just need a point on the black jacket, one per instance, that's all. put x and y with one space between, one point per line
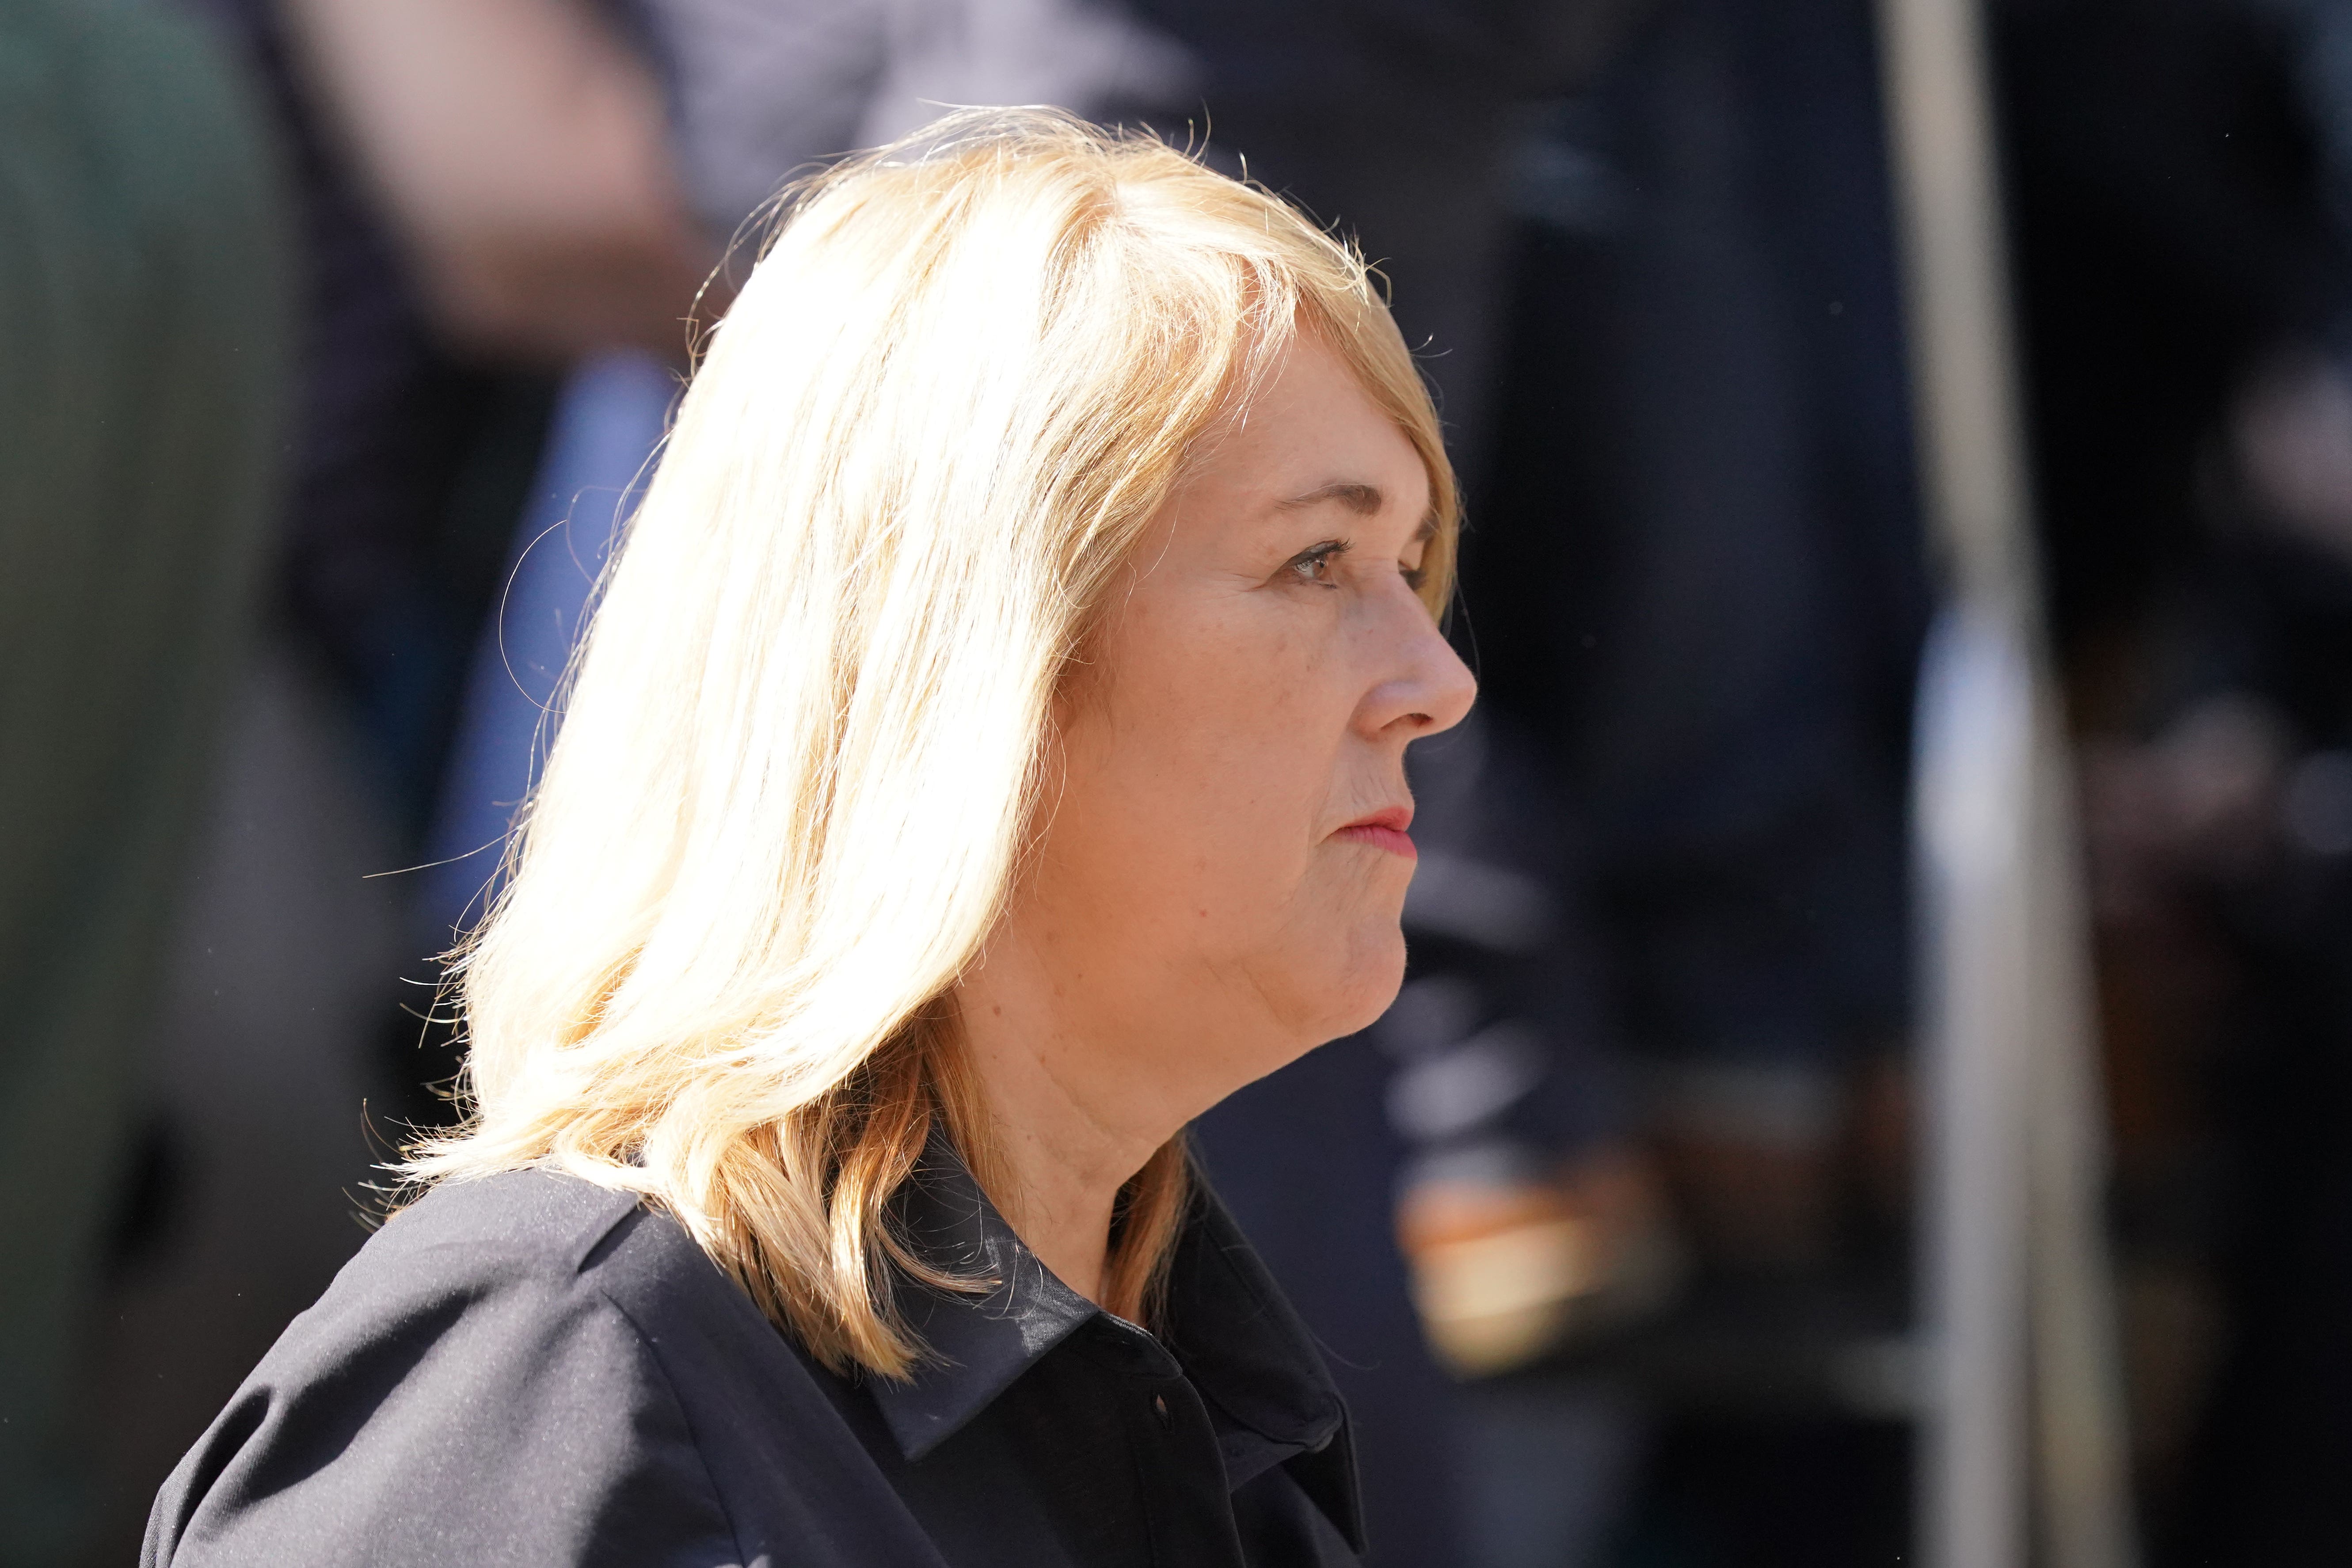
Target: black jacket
532 1370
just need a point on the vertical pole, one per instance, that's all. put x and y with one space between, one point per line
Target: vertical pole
1975 704
2024 1419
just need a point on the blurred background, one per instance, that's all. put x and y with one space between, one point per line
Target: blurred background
335 336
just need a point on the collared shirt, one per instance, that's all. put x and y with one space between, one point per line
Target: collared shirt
530 1369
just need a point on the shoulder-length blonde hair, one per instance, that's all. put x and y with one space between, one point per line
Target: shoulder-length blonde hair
803 749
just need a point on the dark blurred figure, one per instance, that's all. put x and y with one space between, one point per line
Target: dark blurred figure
146 292
1698 577
1695 580
2179 178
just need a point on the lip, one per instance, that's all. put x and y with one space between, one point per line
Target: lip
1383 830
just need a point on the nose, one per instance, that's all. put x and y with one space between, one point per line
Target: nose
1423 687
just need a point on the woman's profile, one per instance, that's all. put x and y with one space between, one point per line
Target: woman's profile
987 755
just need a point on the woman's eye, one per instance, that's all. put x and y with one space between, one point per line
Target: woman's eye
1315 566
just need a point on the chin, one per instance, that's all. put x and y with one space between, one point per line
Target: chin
1373 974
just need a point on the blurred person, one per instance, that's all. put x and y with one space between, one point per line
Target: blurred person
1706 442
145 285
517 155
1696 586
866 993
480 193
486 189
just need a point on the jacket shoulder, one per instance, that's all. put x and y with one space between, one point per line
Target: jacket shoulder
465 1390
523 1222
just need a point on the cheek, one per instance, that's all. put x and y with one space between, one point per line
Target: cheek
1200 768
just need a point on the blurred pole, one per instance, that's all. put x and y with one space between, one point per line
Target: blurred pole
2024 1412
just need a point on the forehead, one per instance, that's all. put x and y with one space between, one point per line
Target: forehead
1312 435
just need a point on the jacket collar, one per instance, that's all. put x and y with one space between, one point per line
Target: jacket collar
1229 1330
979 1343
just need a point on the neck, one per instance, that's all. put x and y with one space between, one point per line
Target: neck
1073 1110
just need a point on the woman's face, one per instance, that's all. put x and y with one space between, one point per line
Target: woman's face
1226 850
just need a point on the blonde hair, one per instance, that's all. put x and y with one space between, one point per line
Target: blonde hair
801 752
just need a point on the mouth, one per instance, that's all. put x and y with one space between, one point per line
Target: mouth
1382 830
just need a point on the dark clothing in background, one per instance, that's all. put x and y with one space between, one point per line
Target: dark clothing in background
145 339
530 1369
1695 576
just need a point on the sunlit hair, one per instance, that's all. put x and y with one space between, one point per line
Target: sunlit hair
801 752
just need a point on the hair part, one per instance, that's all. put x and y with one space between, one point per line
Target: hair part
806 733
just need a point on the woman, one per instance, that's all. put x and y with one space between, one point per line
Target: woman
988 754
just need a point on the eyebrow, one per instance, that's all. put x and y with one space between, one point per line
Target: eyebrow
1364 501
